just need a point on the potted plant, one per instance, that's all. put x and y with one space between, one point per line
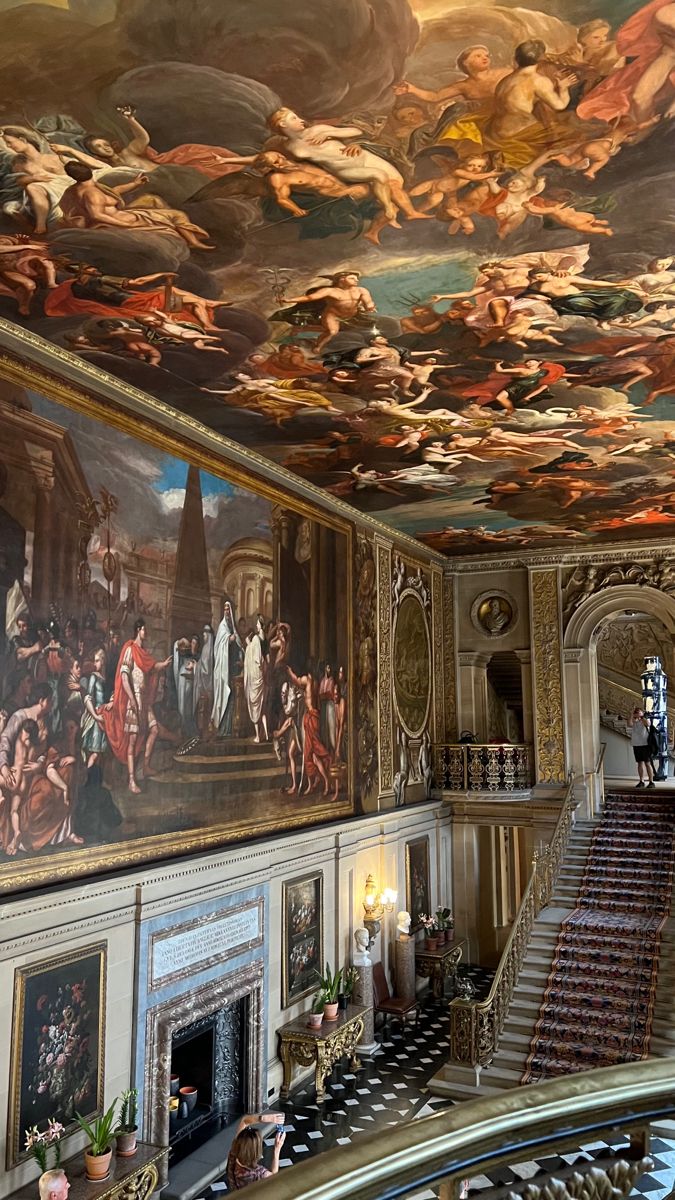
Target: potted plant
350 977
316 1013
444 925
429 924
330 988
101 1135
128 1124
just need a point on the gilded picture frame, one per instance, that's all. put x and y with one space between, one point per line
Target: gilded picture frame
55 1070
417 880
153 423
302 937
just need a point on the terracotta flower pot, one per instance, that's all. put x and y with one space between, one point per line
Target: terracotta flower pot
431 943
330 1012
97 1166
441 936
126 1143
449 935
315 1020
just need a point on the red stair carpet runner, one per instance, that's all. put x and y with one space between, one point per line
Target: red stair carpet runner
599 1001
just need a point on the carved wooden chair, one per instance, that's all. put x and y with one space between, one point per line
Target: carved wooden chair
388 1005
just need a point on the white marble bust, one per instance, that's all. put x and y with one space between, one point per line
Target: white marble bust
362 957
403 923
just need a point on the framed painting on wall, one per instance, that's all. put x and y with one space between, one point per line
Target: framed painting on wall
302 937
225 602
58 1044
417 880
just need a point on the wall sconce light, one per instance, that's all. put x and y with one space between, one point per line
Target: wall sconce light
375 904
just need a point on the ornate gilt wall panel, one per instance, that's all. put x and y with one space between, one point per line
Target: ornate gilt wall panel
449 673
384 646
549 729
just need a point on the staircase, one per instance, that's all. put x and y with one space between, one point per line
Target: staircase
508 1065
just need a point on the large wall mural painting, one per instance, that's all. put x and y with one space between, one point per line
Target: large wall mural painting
418 252
175 672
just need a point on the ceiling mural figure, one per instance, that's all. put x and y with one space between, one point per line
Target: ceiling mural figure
419 253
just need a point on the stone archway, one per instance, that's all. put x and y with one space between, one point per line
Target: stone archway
582 718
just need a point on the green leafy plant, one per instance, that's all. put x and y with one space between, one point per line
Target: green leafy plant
102 1133
330 984
444 919
349 978
318 1003
128 1122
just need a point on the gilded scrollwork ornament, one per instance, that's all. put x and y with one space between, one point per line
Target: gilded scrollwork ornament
547 677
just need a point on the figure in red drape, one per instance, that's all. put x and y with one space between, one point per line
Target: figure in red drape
648 40
316 758
130 722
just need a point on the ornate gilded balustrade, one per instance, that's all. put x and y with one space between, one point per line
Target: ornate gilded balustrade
497 767
513 1127
476 1026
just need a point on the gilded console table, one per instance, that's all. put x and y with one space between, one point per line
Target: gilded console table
129 1179
324 1046
439 965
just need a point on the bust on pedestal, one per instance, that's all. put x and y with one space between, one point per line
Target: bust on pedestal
363 990
405 958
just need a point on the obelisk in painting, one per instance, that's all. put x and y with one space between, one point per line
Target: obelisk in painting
191 602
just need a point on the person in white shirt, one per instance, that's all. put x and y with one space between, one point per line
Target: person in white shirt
639 737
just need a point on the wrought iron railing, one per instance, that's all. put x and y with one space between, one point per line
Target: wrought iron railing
494 767
476 1025
513 1127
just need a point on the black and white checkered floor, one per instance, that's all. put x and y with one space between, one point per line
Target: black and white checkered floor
390 1088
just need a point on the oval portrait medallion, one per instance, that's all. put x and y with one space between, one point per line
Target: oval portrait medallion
412 664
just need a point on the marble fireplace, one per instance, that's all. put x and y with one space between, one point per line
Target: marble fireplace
213 1039
201 1003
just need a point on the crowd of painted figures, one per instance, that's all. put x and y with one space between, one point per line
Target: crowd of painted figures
424 404
82 712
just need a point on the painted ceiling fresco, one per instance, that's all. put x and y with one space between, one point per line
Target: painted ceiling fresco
419 253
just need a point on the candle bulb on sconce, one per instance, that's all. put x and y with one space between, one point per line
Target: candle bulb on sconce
375 904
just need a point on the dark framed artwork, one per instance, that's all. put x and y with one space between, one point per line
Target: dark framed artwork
58 1046
200 583
417 880
302 937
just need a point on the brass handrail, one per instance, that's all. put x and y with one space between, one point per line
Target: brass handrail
479 1134
483 766
476 1025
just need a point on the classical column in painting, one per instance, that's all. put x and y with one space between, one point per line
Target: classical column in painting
549 731
191 601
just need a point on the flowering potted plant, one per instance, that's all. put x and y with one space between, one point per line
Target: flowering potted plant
128 1124
330 988
101 1135
40 1142
431 931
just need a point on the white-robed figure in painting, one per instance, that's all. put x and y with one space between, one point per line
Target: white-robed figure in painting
202 694
228 653
256 662
185 658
